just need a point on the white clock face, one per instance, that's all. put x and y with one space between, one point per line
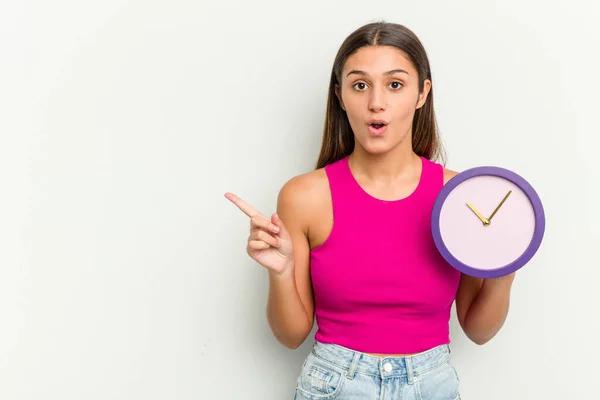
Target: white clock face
509 232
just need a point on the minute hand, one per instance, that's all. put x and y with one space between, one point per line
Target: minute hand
499 205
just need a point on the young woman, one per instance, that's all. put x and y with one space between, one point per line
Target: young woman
351 246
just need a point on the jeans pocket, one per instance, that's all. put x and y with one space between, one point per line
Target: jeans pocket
320 380
440 383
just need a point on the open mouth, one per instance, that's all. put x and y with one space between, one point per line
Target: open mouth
377 127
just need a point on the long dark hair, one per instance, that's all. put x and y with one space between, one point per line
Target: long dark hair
338 138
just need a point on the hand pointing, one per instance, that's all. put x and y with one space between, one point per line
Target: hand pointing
269 243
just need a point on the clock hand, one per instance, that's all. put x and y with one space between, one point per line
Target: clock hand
481 217
499 205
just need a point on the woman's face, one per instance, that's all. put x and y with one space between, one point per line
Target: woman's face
379 91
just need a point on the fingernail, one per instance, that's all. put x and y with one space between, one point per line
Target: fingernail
276 229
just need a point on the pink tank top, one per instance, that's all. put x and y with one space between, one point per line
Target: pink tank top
380 284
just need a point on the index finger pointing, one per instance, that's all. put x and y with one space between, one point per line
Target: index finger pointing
242 205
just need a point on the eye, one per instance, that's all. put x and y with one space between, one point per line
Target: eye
396 85
359 86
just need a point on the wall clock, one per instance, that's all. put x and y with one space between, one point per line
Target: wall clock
487 222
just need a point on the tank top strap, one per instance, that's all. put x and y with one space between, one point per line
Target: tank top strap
346 197
432 178
339 182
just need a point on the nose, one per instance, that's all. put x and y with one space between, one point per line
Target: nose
377 100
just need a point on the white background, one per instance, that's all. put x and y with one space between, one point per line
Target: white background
123 272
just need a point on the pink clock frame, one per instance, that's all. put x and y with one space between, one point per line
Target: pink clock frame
534 244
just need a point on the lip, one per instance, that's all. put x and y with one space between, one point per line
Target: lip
377 131
377 121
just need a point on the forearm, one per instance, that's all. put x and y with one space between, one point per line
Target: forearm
489 309
286 314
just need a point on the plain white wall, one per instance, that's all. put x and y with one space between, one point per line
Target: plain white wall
123 272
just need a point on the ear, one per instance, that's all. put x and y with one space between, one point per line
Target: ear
339 96
423 95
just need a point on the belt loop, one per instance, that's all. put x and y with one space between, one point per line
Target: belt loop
353 365
409 370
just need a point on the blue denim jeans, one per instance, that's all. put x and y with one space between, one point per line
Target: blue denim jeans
334 372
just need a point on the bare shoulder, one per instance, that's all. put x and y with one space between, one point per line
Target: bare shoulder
304 193
449 174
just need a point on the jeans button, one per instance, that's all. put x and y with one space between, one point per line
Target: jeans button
387 367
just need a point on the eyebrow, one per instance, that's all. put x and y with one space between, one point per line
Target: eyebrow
391 72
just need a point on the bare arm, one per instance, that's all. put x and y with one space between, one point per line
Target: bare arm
482 306
290 309
280 245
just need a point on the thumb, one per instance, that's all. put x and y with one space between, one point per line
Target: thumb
278 222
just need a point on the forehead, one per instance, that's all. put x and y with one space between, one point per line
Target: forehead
376 60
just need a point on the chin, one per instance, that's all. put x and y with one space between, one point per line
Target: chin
381 145
376 148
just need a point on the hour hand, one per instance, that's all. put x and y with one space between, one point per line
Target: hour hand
483 219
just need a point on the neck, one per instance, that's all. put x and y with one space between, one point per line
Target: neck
386 166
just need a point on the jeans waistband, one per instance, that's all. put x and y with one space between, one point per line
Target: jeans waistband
385 366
